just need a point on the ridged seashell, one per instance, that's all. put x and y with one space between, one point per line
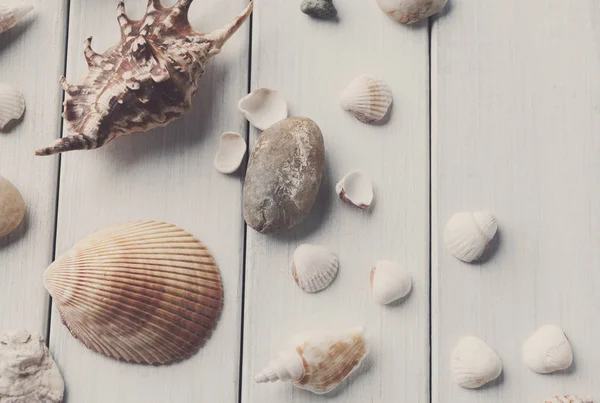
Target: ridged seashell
11 15
231 153
12 207
367 98
468 235
474 363
263 108
410 11
389 282
319 8
356 188
318 361
148 80
314 268
143 291
568 399
12 104
548 350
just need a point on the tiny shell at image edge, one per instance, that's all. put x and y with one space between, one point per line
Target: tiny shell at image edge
568 399
12 104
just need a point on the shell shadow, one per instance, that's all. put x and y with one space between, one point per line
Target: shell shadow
16 235
11 36
491 250
10 126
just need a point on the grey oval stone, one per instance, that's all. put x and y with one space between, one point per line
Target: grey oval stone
284 175
319 8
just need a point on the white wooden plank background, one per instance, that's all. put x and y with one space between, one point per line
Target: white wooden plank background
515 130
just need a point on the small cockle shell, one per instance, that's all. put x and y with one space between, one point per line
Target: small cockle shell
389 282
356 188
367 98
146 81
548 350
12 104
231 153
318 361
568 399
468 235
474 363
11 15
410 11
319 8
314 268
145 292
263 108
12 207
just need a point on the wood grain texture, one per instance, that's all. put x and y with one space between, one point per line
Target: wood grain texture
515 131
166 175
26 252
311 62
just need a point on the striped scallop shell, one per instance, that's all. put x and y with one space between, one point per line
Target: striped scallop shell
568 399
468 235
314 268
12 104
146 292
367 98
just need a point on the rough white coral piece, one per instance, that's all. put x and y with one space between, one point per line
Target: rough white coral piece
468 235
12 104
389 282
263 108
474 363
231 153
356 188
367 98
314 268
548 350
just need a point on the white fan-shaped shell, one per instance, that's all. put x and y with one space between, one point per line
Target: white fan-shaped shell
568 399
12 104
389 282
548 350
263 108
367 98
314 268
12 207
474 363
231 153
468 235
356 188
144 291
11 15
410 11
318 361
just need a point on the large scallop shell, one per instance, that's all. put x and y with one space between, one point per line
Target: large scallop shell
314 268
11 15
367 98
568 399
143 291
12 104
474 363
468 235
410 11
548 350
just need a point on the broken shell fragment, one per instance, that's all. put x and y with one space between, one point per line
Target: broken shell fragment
474 363
314 268
389 282
318 361
548 350
12 104
145 292
263 108
568 399
146 81
27 371
11 16
468 235
231 153
367 98
410 11
319 8
12 207
356 188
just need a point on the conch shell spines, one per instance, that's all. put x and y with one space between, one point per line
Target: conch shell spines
146 81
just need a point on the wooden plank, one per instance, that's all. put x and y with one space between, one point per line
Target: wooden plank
31 60
311 62
515 131
165 175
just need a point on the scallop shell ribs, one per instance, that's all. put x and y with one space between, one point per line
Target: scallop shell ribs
146 81
144 292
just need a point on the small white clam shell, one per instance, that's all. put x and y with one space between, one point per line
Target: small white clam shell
231 153
468 235
10 16
410 11
474 363
314 268
548 350
568 399
356 188
367 98
263 108
389 282
12 104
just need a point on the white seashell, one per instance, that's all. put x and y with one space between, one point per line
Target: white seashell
410 11
356 188
314 268
389 282
231 153
468 235
263 108
10 16
367 98
12 104
318 361
548 350
474 363
568 399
